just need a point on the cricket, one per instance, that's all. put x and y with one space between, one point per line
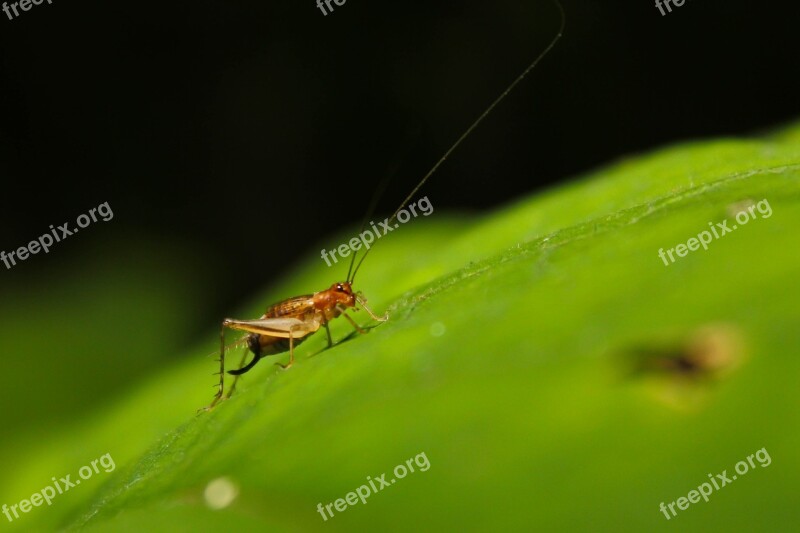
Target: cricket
289 322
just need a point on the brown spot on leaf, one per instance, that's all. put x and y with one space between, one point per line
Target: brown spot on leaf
679 368
707 352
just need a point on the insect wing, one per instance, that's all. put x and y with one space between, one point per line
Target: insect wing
275 327
297 306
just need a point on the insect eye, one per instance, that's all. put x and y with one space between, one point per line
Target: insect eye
339 287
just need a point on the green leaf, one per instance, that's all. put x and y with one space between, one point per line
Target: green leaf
555 373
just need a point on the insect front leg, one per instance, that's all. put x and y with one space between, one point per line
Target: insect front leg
328 331
363 303
349 319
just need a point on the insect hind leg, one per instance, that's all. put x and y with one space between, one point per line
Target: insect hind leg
291 351
221 386
254 346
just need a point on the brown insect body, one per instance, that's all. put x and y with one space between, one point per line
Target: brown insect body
288 323
313 309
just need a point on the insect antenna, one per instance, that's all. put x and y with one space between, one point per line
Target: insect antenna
370 211
469 130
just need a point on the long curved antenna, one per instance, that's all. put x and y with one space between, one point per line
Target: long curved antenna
474 125
370 211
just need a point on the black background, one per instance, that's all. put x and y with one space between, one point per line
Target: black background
247 132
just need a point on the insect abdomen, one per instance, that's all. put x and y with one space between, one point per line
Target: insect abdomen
271 345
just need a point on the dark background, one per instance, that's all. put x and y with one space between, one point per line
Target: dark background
245 133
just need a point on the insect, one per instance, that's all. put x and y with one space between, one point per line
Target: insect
289 322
